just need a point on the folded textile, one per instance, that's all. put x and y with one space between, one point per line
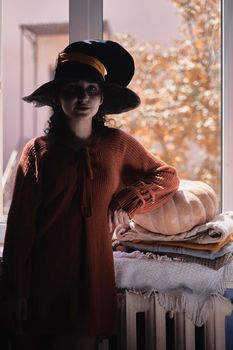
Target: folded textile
158 248
212 247
214 231
215 264
194 203
180 286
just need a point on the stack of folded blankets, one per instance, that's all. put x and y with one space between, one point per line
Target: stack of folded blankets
185 246
186 228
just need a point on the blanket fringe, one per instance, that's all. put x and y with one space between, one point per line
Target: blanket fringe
137 254
196 308
197 303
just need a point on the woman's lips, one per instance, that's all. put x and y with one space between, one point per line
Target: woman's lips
81 108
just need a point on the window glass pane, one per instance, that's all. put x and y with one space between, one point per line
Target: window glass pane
32 37
177 47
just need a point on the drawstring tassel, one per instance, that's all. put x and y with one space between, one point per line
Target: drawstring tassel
89 167
87 188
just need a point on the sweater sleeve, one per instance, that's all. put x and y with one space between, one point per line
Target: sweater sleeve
21 226
148 181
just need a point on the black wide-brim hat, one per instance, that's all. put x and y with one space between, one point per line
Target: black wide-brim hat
105 62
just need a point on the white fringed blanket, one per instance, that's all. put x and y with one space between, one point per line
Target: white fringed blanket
180 286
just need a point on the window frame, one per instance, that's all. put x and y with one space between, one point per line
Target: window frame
1 119
86 21
227 105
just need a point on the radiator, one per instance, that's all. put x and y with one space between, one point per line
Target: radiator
144 325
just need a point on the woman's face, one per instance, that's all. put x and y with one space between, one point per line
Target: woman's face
81 99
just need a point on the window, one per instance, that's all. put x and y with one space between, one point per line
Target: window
86 20
227 105
224 127
178 77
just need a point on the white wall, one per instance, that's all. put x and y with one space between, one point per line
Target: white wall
48 48
16 13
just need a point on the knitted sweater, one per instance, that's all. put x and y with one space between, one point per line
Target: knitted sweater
57 251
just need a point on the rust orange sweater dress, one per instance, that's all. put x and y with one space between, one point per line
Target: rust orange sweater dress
57 251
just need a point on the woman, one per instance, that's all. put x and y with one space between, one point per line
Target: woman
58 273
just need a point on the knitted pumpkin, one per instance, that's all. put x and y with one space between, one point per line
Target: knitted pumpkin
193 204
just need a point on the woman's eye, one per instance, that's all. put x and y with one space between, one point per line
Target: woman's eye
92 89
69 91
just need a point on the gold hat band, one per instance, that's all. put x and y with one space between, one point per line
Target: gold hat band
82 58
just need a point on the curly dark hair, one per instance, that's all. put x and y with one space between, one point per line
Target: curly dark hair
58 122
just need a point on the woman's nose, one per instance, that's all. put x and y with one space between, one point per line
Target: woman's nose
82 94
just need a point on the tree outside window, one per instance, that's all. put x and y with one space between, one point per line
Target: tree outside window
179 119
